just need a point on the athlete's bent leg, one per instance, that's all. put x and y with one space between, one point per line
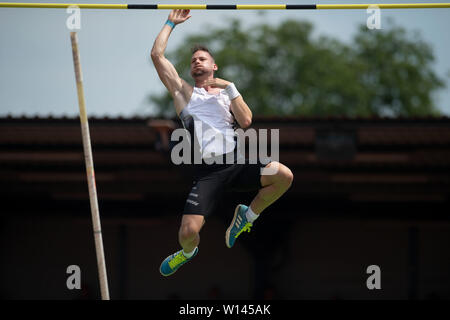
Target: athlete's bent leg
274 186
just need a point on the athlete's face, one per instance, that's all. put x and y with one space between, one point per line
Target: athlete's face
202 64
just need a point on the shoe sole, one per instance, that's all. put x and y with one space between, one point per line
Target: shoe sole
227 234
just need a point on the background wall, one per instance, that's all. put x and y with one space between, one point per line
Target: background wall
325 258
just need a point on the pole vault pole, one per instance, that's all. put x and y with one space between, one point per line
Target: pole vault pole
229 6
90 170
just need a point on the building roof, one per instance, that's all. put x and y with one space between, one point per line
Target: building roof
376 160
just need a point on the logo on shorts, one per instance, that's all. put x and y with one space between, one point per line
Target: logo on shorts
195 203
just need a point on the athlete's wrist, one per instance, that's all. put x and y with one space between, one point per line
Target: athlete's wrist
170 23
231 91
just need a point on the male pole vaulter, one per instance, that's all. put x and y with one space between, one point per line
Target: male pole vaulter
213 104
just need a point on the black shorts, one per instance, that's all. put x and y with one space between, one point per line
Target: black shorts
212 181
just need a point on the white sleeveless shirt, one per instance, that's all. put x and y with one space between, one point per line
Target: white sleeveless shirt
212 122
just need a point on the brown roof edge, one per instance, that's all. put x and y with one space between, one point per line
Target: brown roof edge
256 118
341 119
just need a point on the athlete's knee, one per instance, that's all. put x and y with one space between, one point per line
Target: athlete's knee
188 231
288 176
284 176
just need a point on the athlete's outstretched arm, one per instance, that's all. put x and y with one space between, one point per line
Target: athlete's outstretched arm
177 87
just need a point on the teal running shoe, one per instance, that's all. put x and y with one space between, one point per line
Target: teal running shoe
238 225
173 262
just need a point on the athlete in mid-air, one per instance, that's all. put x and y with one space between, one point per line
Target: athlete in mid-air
213 104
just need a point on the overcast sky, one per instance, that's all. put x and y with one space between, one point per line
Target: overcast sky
36 68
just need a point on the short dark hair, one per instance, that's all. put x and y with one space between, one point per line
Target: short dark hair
200 47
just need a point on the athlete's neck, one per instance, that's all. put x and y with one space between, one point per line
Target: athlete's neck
199 83
200 80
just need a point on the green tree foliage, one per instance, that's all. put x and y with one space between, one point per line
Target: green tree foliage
283 70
